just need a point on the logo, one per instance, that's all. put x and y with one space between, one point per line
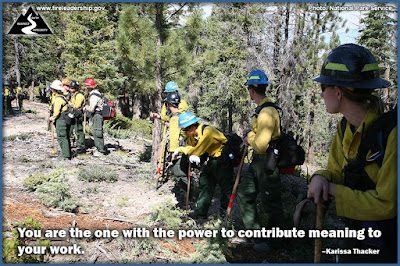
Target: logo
30 24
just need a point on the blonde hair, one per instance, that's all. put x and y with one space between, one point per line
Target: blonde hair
365 97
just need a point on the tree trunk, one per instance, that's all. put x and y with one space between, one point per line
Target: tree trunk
157 96
16 59
312 99
31 91
230 115
124 104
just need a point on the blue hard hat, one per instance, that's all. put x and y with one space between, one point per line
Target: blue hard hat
171 86
6 83
256 77
186 119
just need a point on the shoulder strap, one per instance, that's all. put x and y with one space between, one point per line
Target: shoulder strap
376 138
266 104
175 114
63 97
343 124
202 130
98 95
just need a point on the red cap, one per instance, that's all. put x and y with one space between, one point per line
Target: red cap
90 83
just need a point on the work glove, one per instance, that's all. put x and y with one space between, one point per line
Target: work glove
194 159
174 154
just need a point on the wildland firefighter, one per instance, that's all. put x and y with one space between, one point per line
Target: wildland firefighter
183 105
78 102
179 170
361 173
266 127
60 119
66 85
19 95
95 108
7 96
206 142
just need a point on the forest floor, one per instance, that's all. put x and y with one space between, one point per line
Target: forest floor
130 201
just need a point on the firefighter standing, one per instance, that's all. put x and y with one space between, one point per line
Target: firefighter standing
266 127
77 102
59 117
95 108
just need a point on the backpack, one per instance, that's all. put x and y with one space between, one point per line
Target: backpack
375 139
71 114
231 153
108 111
284 150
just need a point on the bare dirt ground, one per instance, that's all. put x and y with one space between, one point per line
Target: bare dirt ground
118 205
27 149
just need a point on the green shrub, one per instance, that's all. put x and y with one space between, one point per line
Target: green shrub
142 128
119 122
10 246
22 136
56 194
213 251
52 189
33 181
145 156
96 173
166 214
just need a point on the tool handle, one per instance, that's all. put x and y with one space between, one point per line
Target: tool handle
318 241
228 210
84 122
52 134
187 192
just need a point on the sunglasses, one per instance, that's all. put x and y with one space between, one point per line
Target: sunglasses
186 129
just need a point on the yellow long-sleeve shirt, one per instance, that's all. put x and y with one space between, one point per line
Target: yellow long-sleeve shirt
183 106
7 91
209 141
60 105
19 91
371 205
77 100
174 131
53 96
266 127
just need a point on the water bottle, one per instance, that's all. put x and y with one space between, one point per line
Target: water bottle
271 161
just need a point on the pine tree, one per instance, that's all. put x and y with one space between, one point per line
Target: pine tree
153 52
378 35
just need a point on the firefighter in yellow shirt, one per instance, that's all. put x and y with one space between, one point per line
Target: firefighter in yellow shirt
183 105
256 181
6 98
77 102
59 117
362 170
208 142
19 94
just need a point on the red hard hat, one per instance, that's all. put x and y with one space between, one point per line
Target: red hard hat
90 83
